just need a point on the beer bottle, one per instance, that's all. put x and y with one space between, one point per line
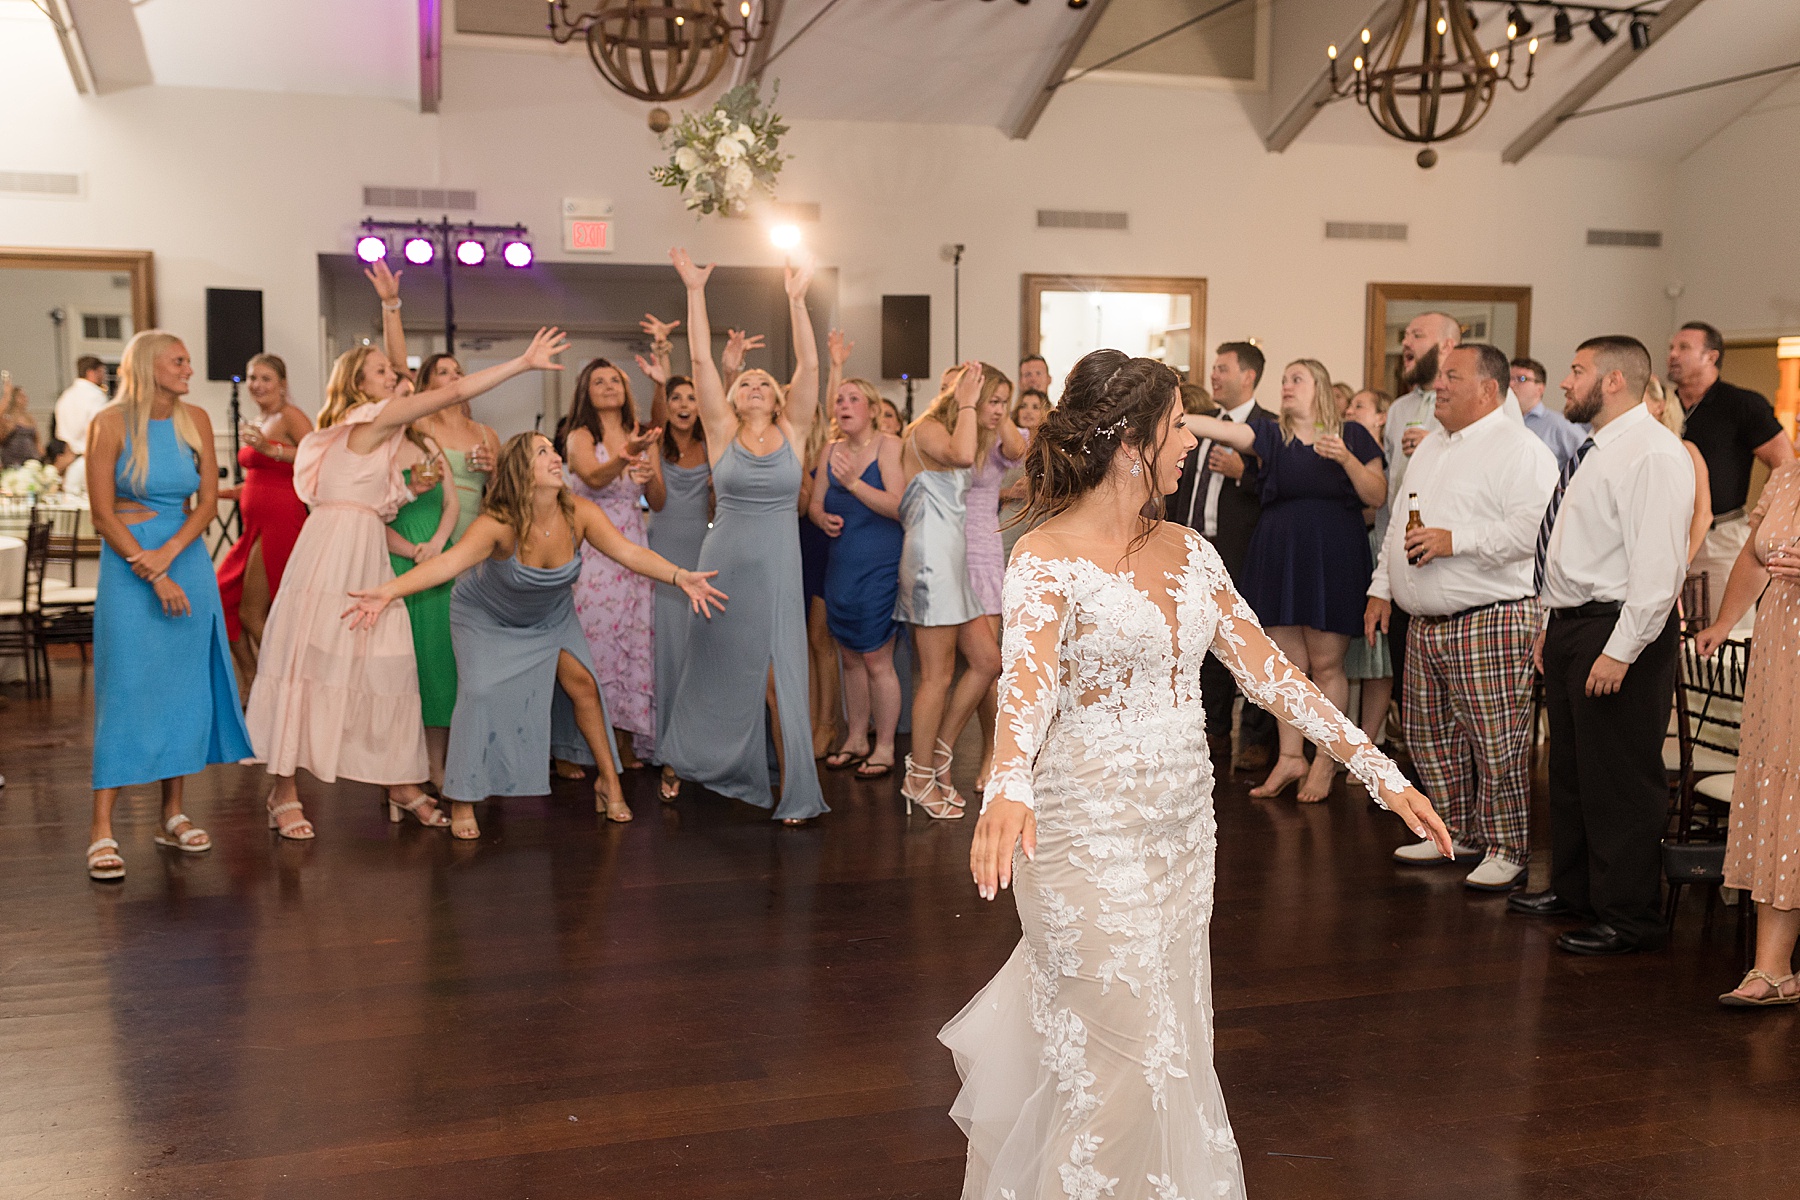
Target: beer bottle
1413 520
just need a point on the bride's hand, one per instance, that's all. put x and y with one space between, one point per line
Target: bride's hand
1006 823
1412 807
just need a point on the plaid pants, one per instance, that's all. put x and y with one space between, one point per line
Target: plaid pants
1467 718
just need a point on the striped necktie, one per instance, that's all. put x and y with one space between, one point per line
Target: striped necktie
1549 523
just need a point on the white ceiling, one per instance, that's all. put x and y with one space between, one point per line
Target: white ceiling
979 63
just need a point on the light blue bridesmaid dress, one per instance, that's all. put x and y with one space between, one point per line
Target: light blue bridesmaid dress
165 695
677 532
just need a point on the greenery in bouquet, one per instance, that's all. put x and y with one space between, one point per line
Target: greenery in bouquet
723 157
32 478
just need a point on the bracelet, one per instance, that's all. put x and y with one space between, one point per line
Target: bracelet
966 407
391 305
673 576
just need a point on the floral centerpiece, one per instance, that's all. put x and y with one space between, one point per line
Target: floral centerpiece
30 479
726 155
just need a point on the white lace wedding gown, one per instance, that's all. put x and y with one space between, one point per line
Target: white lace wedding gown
1087 1061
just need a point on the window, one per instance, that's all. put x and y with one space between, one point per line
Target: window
99 327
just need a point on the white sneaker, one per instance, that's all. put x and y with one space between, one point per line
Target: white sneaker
1426 853
1496 874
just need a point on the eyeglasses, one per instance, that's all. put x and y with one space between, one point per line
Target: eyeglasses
1524 377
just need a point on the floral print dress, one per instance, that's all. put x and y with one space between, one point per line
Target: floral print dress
617 609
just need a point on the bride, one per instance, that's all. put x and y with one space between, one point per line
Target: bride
1087 1061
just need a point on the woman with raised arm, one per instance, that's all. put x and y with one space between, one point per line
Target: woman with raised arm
469 446
752 659
607 451
165 701
859 509
270 513
526 682
981 528
823 674
1308 567
1087 1063
677 532
418 533
328 699
937 458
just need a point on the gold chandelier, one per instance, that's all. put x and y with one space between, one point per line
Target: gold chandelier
662 49
1445 89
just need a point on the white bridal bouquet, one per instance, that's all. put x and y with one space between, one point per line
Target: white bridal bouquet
724 155
30 479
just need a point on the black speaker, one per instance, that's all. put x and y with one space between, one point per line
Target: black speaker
234 331
905 337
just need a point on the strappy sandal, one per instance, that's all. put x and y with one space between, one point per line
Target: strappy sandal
942 771
417 808
1775 998
192 840
103 861
939 809
843 760
296 831
669 786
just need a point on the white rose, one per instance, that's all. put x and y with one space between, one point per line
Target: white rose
686 161
743 134
738 179
729 149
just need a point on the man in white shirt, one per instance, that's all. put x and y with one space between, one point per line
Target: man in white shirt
79 404
1611 553
1563 436
1482 484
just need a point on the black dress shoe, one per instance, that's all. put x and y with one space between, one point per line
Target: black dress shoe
1598 939
1539 904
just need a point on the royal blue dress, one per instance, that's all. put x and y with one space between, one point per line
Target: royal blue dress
1308 562
165 696
862 576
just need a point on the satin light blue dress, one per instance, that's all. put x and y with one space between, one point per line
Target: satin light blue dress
677 532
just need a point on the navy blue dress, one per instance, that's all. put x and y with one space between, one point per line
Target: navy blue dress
862 574
1308 562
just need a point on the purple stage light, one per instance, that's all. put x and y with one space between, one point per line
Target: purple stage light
516 254
470 253
419 251
370 248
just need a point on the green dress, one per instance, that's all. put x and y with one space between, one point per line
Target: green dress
470 486
429 612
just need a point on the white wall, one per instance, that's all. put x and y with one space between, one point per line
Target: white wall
245 189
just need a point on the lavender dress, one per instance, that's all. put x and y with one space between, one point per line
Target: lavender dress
981 526
617 609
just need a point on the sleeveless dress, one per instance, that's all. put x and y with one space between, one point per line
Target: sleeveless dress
717 735
1762 852
1087 1063
677 533
471 486
165 694
617 608
1308 562
333 700
1361 660
862 579
428 611
981 529
934 567
511 624
272 514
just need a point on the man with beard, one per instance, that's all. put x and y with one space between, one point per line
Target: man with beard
1034 374
1733 428
1221 499
1611 555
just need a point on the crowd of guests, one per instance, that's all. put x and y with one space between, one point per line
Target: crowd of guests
754 575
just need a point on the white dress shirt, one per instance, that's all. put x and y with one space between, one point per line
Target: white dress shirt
1621 533
1215 482
79 404
1488 484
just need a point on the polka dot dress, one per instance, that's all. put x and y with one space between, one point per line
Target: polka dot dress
1763 852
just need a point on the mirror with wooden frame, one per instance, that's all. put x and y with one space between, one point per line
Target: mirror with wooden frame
1498 315
59 305
1066 316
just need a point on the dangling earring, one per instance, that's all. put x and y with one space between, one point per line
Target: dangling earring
1137 468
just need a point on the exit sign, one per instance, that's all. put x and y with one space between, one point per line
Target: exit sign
587 226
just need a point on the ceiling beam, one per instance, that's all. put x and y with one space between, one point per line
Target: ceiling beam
73 54
752 66
1020 127
1300 113
1590 85
431 55
112 46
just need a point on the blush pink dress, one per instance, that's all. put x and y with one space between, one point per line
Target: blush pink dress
326 698
617 608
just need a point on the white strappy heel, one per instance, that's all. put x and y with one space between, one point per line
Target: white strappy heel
193 839
299 831
938 809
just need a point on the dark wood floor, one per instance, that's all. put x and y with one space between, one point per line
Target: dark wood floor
705 1005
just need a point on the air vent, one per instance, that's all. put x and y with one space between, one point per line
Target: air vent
1643 239
1364 231
449 199
39 183
1062 218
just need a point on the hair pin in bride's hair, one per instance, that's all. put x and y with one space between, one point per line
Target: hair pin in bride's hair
1107 432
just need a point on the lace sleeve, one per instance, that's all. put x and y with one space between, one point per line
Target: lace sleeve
1035 601
1266 677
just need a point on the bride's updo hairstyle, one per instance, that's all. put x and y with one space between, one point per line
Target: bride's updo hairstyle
1109 400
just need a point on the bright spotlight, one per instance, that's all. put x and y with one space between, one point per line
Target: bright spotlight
785 237
470 253
370 248
418 251
516 253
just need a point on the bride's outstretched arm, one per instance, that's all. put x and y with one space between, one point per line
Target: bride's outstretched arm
1269 679
1036 604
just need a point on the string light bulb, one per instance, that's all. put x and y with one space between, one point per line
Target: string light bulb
1331 52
